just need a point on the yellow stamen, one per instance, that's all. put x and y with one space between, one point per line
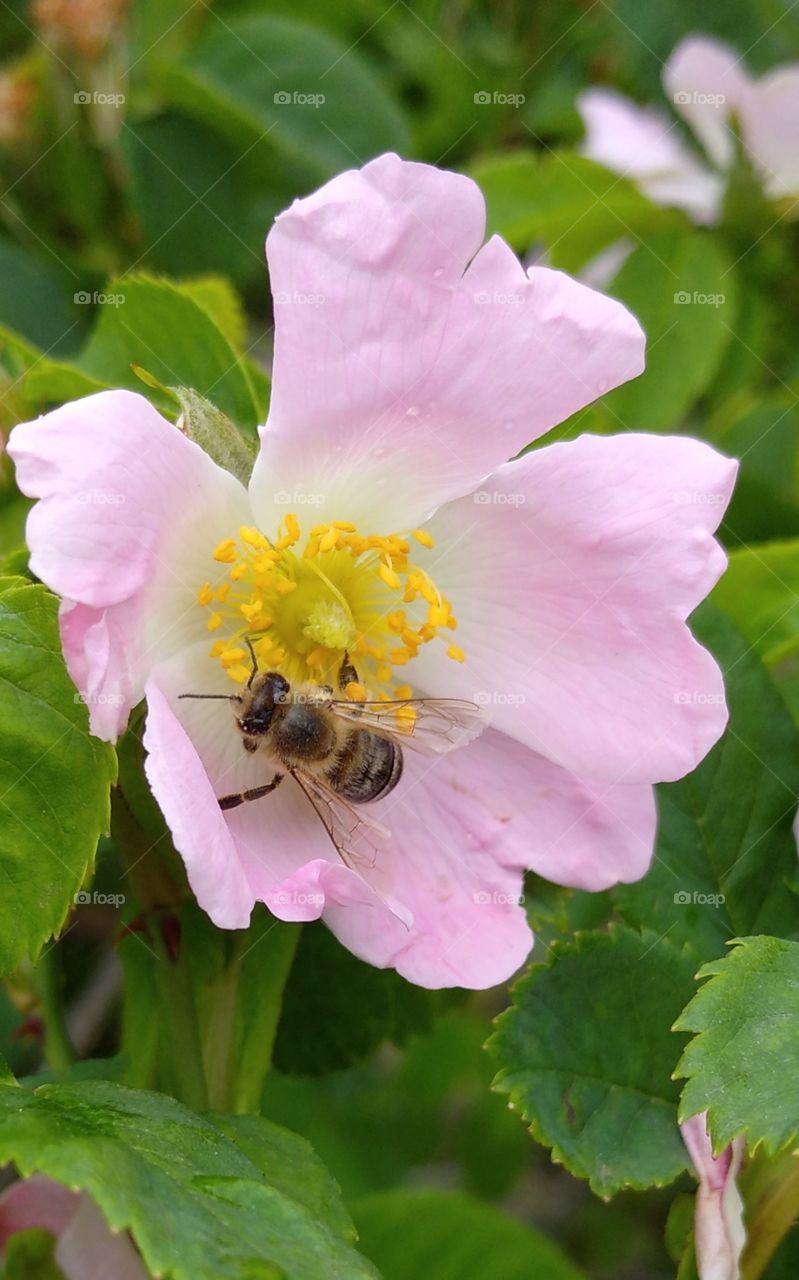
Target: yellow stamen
423 538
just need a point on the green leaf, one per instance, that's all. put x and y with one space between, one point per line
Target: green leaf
213 431
337 1009
143 1155
34 300
587 1055
6 1074
725 858
162 328
566 203
765 436
54 778
743 1064
446 1235
291 88
678 287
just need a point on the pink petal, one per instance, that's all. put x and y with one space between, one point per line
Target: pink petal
643 144
719 1229
706 82
36 1202
129 513
90 1250
409 361
571 574
770 118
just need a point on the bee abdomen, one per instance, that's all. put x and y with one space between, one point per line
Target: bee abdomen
368 767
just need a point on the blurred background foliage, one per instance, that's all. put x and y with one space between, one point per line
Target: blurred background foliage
144 150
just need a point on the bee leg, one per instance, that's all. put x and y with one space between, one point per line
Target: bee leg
254 671
347 674
255 793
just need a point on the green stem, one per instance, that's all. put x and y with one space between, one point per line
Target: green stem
265 965
181 1024
57 1046
220 1036
773 1192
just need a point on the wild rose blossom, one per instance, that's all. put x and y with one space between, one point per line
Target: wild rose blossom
710 88
718 1223
411 360
86 1248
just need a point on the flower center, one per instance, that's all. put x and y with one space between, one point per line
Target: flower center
304 603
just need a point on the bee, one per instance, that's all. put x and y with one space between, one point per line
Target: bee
342 754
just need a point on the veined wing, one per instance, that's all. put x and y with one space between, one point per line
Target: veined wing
430 725
356 837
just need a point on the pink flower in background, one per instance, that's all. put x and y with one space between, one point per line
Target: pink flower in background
86 1248
411 360
718 1224
709 87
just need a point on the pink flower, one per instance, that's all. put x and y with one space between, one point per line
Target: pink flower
410 363
711 89
718 1224
87 1248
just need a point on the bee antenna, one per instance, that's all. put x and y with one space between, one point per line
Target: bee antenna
222 697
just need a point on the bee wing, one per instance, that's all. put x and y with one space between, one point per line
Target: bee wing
430 725
356 837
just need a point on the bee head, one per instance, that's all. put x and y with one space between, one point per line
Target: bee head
263 694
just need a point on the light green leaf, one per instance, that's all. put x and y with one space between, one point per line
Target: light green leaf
725 858
743 1064
143 1156
764 435
563 202
54 778
291 88
586 1056
158 325
678 286
213 431
446 1235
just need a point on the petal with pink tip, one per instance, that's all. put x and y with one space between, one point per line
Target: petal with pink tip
409 362
36 1202
642 144
719 1228
571 574
128 516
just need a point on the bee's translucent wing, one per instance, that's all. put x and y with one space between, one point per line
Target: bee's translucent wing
357 837
430 725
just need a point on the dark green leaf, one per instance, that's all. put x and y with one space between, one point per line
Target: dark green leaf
586 1056
143 1156
446 1235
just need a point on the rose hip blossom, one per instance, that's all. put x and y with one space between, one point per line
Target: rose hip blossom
383 520
86 1247
710 88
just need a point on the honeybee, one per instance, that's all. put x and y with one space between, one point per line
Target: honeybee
341 753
